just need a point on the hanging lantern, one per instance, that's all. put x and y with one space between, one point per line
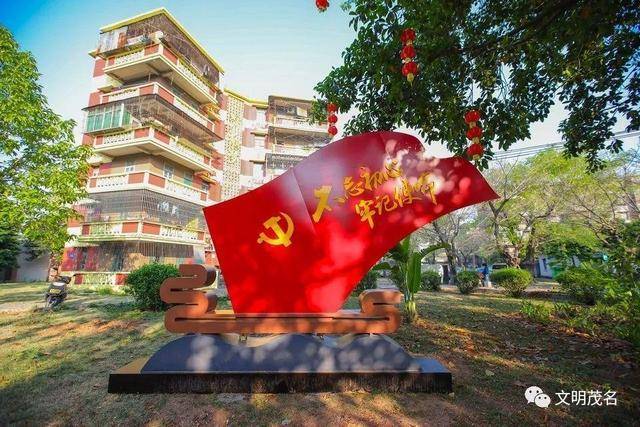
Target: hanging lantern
332 118
408 52
322 5
475 151
474 132
408 36
472 116
409 70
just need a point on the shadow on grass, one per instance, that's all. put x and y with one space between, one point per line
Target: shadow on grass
58 365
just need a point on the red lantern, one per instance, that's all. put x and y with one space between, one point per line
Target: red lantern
322 5
408 36
472 116
474 132
475 151
408 52
331 107
332 130
332 118
409 70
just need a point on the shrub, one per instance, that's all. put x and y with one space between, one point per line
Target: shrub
369 281
586 283
144 285
513 280
467 281
537 312
565 310
431 280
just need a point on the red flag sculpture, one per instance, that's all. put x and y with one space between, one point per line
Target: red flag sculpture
301 243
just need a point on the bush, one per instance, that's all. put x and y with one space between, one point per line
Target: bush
430 280
144 285
586 284
467 281
565 310
513 280
369 281
537 312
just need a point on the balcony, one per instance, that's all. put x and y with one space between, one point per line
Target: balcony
150 181
150 103
140 230
153 141
159 59
298 125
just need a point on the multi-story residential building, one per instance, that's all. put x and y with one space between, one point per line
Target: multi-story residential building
168 140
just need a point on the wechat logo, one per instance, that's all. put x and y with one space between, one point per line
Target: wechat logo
534 394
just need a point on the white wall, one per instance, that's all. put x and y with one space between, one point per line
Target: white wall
33 271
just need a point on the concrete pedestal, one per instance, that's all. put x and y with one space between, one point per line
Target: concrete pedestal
281 364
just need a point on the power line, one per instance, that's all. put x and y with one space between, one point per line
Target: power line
556 146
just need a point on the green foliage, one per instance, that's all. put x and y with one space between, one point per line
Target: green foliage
623 247
405 271
144 285
563 241
42 170
586 283
537 312
367 282
513 280
9 248
467 281
511 60
431 280
565 310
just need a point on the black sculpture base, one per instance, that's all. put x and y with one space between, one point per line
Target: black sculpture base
280 364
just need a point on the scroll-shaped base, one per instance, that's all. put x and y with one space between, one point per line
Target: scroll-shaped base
280 364
198 314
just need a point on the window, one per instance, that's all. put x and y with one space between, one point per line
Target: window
259 141
258 170
111 116
168 171
188 178
129 166
261 118
205 187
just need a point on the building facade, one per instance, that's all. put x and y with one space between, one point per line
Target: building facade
169 139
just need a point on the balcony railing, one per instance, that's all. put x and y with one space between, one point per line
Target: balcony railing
292 123
148 135
293 150
126 181
178 233
163 59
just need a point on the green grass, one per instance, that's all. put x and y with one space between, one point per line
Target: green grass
54 368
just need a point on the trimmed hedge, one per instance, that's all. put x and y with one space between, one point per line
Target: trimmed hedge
467 281
513 280
431 280
144 285
585 283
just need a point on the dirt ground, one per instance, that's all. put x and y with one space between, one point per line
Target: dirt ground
54 368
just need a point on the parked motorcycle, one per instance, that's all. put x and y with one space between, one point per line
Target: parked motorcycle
57 292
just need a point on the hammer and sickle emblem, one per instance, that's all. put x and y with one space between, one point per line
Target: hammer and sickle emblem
282 237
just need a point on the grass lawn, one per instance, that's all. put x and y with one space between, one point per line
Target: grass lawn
54 368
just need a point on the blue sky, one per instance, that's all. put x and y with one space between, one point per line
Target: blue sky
266 47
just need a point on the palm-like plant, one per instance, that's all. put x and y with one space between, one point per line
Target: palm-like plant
406 271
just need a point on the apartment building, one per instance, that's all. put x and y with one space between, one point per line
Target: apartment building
169 139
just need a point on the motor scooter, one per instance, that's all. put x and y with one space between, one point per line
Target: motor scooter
57 292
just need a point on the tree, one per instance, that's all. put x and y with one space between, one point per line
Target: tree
511 60
9 248
42 171
445 231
